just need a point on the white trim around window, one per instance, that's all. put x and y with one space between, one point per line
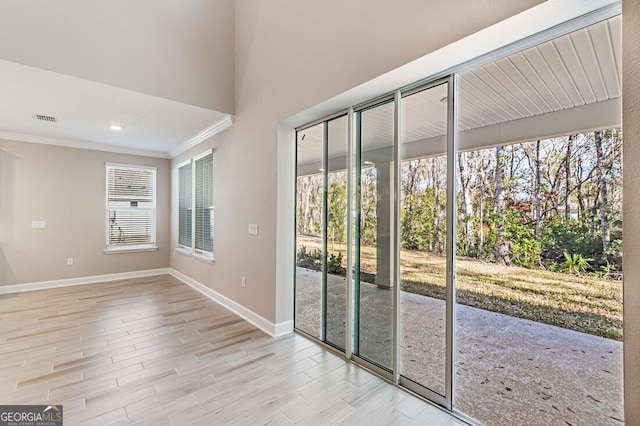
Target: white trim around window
195 206
130 208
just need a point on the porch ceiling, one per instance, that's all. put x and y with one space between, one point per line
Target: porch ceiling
572 82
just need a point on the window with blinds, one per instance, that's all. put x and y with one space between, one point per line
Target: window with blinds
195 205
185 205
131 207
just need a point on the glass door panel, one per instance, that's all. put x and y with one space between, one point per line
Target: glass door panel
310 214
321 234
374 279
336 230
423 230
539 293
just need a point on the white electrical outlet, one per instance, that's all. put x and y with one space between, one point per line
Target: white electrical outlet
244 282
37 224
69 261
253 229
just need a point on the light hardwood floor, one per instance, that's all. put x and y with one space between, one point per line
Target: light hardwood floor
153 351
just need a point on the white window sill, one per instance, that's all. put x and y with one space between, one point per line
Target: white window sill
208 258
129 249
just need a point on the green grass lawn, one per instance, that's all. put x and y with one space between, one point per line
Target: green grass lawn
577 302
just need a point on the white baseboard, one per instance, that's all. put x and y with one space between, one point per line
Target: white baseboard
283 328
274 330
42 285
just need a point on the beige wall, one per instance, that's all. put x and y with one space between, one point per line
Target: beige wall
631 126
65 187
182 51
291 55
286 57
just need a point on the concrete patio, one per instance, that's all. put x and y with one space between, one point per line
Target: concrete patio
507 370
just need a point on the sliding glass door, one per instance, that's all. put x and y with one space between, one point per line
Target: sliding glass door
321 231
374 277
423 241
488 278
310 252
394 278
539 290
336 231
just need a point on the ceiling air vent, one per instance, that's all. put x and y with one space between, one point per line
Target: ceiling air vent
44 117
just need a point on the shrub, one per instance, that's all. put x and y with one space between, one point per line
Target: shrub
309 259
562 236
575 263
334 264
312 259
525 247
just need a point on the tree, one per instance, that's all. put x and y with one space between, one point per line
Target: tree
602 190
567 178
309 204
502 247
337 207
464 160
538 188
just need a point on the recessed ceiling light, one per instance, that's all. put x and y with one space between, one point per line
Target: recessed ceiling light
115 127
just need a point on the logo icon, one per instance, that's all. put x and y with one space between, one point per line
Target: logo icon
31 415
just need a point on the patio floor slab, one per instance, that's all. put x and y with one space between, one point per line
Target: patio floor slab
507 370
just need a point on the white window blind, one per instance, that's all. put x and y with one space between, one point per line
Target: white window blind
131 202
204 203
195 205
185 205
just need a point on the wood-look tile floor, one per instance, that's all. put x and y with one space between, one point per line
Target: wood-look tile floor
153 351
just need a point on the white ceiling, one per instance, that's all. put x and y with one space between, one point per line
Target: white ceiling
576 70
84 110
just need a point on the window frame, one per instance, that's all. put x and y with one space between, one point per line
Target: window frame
192 250
189 162
120 248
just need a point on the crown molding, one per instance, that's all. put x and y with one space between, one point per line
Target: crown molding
217 127
72 143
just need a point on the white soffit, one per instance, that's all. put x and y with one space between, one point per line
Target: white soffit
84 110
549 82
552 15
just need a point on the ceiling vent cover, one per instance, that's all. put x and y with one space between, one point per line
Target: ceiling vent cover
44 117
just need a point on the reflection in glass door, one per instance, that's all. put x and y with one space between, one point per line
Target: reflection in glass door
423 239
321 231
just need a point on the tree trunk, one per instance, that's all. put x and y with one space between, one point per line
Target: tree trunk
580 201
307 205
482 167
567 178
538 188
438 240
502 247
433 241
602 189
467 201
